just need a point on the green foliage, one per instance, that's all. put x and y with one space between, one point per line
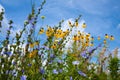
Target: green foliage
114 66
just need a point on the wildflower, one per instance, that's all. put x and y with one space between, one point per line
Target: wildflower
42 71
41 31
53 46
55 71
98 38
92 38
59 61
23 77
29 65
76 23
60 70
88 35
92 50
31 45
69 23
75 62
42 17
104 41
63 34
49 32
71 78
79 32
52 55
36 43
106 36
86 44
81 73
33 53
84 55
8 53
83 25
111 37
75 38
91 44
67 32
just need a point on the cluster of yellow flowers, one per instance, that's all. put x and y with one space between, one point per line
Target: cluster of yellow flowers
111 37
76 24
34 51
85 39
59 33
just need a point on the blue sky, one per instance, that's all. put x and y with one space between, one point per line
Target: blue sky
101 16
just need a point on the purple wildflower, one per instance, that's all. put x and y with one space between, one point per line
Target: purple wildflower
52 56
23 77
23 70
71 78
81 73
92 50
14 63
60 70
50 62
59 43
42 71
59 61
29 65
7 72
7 53
55 71
84 54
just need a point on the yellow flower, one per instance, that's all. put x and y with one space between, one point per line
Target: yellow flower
88 35
92 38
49 32
67 32
69 23
91 44
78 37
31 45
30 55
87 39
42 17
111 37
79 33
33 53
53 46
63 34
104 41
98 38
76 23
75 38
86 44
36 43
83 25
41 31
106 36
